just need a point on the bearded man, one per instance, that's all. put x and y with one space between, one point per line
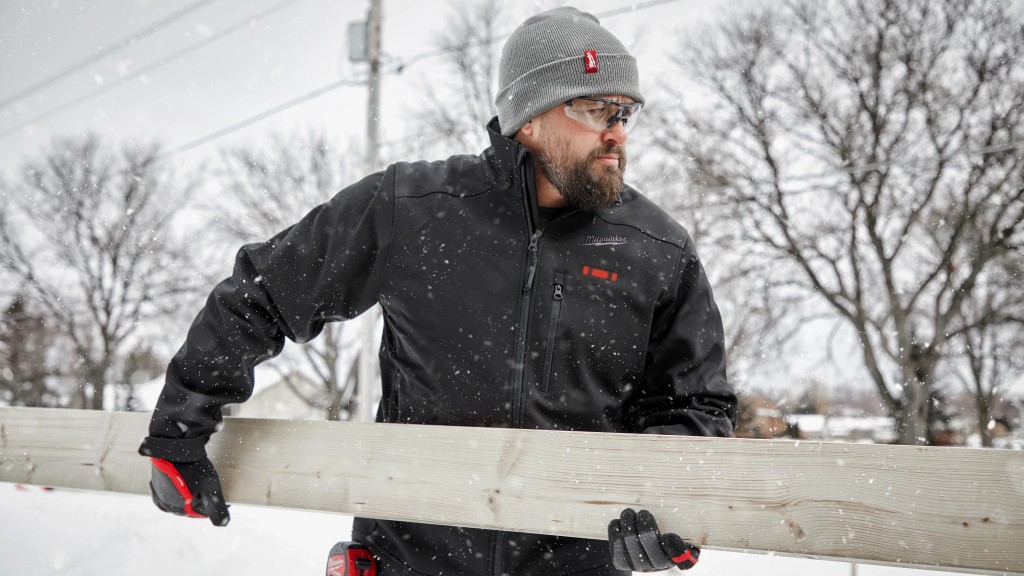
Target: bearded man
524 287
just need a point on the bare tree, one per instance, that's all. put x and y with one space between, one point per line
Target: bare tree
267 191
452 115
872 149
89 236
30 375
990 349
757 322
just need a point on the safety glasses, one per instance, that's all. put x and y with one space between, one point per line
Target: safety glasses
600 114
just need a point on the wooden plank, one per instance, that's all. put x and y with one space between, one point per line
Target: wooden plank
952 508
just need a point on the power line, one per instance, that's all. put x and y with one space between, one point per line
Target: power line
270 111
146 69
135 36
339 83
633 8
401 66
256 118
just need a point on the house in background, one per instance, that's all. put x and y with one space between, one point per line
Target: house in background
295 397
278 398
864 429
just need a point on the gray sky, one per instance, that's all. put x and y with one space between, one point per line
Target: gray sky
288 53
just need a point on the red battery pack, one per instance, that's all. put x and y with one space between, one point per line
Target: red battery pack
351 559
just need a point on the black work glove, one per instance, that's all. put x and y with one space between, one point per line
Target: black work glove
189 489
636 544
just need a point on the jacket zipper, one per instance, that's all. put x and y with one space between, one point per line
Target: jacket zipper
556 310
524 311
500 537
527 293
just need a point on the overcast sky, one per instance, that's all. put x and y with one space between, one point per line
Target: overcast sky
297 47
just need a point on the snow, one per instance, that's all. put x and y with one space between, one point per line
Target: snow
75 533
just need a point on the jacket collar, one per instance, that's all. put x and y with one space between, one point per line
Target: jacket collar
508 155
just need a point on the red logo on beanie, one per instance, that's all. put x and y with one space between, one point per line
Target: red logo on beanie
590 60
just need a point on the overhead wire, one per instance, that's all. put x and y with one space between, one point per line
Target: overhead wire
400 66
240 25
341 83
257 117
103 53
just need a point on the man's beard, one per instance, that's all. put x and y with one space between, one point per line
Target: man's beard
580 184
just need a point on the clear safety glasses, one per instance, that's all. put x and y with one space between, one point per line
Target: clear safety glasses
600 114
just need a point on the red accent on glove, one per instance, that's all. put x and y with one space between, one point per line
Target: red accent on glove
688 555
179 483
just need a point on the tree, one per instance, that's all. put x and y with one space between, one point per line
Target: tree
757 321
267 191
89 234
989 351
871 149
455 113
27 369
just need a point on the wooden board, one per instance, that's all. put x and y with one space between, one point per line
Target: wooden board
953 508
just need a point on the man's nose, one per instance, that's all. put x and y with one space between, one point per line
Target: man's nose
616 134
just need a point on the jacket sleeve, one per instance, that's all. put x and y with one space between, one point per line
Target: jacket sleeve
329 266
685 390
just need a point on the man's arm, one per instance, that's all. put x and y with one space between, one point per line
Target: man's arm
685 390
328 266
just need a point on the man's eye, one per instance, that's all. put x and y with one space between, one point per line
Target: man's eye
597 111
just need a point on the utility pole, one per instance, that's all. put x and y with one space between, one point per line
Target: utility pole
367 374
373 26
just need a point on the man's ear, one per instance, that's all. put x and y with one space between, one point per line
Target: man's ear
525 134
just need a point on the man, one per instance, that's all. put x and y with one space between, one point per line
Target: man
525 287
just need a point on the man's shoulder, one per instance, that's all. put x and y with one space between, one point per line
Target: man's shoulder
459 175
638 211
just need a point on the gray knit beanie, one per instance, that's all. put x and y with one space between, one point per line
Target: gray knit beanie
556 56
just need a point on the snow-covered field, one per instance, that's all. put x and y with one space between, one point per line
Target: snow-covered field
63 532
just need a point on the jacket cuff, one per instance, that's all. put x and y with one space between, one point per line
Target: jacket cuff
174 449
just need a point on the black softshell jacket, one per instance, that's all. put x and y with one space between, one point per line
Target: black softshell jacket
599 321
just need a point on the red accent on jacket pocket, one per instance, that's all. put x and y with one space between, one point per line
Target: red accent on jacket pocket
600 273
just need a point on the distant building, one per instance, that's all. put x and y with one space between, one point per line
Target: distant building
866 429
285 400
276 399
759 418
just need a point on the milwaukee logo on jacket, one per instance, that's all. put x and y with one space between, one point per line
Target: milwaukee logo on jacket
488 321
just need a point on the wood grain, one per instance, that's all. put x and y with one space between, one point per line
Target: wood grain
952 508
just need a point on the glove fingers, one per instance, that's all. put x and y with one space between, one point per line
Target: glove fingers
617 544
212 506
637 556
683 554
189 489
210 500
650 540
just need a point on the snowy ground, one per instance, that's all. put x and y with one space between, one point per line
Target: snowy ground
65 532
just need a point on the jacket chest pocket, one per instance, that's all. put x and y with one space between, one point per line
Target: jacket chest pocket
595 336
557 297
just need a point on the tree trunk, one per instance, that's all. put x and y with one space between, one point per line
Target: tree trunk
912 416
93 384
984 417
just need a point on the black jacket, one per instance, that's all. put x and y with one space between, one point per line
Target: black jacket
599 321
